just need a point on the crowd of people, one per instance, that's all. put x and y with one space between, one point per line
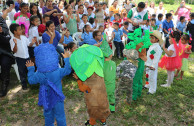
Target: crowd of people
33 25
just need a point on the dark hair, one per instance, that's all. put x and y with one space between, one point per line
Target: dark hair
154 15
71 1
91 20
101 4
66 7
45 15
84 15
104 3
80 6
100 26
77 1
48 23
168 15
70 45
148 20
106 18
22 26
38 14
32 18
171 11
160 16
13 27
186 37
126 23
9 2
117 14
182 18
4 9
96 2
176 35
85 27
95 33
141 5
116 23
114 1
23 5
192 15
153 19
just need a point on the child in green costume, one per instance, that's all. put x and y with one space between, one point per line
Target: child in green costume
109 73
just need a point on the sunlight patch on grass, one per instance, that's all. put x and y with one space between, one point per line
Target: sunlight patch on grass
13 92
141 109
181 95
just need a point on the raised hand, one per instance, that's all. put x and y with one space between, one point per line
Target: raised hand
15 41
29 63
75 76
66 53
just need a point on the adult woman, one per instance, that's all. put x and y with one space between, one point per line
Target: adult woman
61 6
71 20
114 7
52 36
160 9
54 12
124 15
151 9
183 10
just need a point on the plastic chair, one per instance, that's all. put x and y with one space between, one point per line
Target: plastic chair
76 38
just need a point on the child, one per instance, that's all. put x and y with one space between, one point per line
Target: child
109 73
19 45
185 51
181 25
86 35
171 60
125 29
153 56
84 22
153 25
11 4
190 28
159 22
49 75
81 11
153 16
101 29
91 82
72 47
90 12
118 19
147 26
33 34
23 30
42 27
111 16
35 12
128 68
67 39
117 34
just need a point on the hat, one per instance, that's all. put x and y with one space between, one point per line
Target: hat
131 54
90 7
46 58
158 35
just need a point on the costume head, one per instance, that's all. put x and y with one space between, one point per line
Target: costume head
86 60
107 51
158 35
46 58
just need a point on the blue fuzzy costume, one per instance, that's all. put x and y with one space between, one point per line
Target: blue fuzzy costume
49 75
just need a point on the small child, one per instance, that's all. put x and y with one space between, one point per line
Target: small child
153 56
159 22
117 34
171 60
23 29
125 29
86 35
117 18
84 22
111 14
42 27
147 26
35 12
153 25
67 39
19 46
185 51
153 16
128 68
49 75
181 25
33 34
101 29
72 47
190 28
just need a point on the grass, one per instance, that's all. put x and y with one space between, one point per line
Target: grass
169 106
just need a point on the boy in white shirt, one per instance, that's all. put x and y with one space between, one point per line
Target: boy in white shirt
19 46
11 4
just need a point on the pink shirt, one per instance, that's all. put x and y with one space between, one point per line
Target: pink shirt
18 14
183 12
182 53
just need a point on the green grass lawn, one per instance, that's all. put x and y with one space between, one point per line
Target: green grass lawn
169 106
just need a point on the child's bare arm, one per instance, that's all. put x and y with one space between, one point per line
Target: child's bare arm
113 35
15 47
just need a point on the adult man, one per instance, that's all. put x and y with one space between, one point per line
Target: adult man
97 35
137 16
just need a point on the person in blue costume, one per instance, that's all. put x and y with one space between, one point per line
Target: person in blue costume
49 76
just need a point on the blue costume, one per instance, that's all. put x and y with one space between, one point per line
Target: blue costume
49 75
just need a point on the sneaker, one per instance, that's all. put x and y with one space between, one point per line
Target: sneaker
165 85
103 124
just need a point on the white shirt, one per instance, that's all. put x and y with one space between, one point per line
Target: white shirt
81 26
11 15
22 47
171 47
92 15
158 52
106 11
40 10
91 4
33 32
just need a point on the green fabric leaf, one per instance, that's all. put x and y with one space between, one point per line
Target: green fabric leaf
152 52
146 79
107 51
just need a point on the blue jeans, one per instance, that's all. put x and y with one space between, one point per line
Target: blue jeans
119 48
22 70
57 113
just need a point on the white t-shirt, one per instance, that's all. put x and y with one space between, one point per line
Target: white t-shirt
33 32
11 15
91 4
171 47
22 46
40 10
81 26
92 15
106 11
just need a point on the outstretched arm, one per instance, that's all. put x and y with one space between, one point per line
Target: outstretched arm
32 75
